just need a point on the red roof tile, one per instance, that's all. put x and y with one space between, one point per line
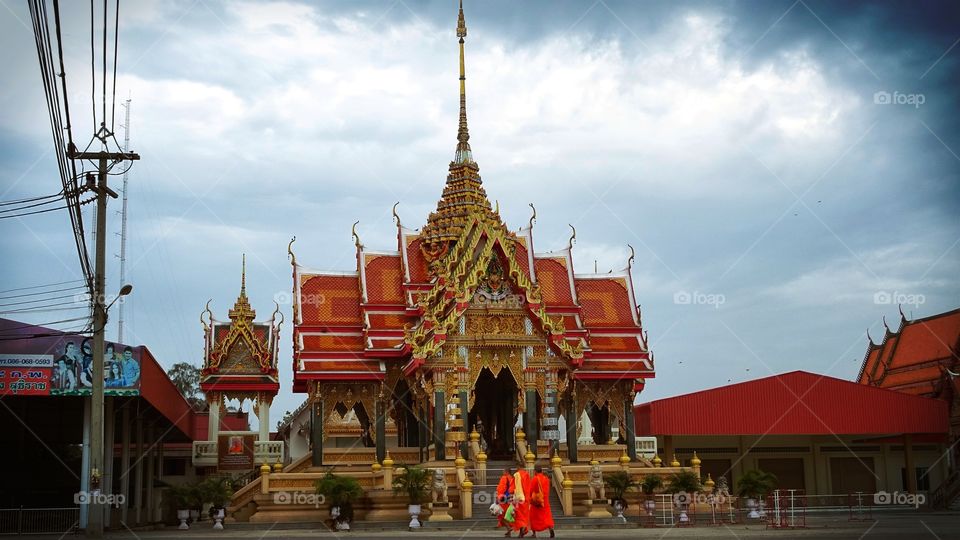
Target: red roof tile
330 300
554 281
605 301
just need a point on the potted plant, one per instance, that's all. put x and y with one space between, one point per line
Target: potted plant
185 499
648 485
180 498
340 492
619 483
414 482
754 485
683 485
217 492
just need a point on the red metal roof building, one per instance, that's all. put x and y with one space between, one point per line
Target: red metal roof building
818 433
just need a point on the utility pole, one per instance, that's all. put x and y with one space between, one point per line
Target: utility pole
97 445
123 223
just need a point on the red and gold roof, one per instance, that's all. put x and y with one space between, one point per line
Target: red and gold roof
399 306
914 358
240 355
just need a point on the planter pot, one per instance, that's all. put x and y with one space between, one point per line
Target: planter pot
751 505
414 510
218 516
183 516
651 507
682 511
618 507
194 516
338 524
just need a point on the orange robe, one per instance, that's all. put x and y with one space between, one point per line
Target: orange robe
522 499
541 518
505 486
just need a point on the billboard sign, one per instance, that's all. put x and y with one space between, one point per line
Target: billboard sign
62 365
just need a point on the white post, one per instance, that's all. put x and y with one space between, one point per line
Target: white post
138 473
125 462
151 473
213 418
263 415
108 452
85 461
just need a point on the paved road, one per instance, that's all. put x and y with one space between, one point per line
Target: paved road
907 526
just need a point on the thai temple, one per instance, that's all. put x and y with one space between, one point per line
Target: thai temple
465 326
461 345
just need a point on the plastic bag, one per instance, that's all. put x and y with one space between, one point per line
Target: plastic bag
511 514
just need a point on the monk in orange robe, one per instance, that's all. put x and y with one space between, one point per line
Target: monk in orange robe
505 492
541 518
521 501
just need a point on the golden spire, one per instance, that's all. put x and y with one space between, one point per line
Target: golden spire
463 153
243 276
241 309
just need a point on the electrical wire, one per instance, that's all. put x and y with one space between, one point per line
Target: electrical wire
41 286
31 199
116 43
45 324
34 205
24 295
25 302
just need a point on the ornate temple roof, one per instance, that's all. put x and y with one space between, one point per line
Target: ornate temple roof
398 306
240 354
913 358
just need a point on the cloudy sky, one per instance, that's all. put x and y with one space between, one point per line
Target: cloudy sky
787 171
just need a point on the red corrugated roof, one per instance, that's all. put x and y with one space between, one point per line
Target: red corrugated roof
795 403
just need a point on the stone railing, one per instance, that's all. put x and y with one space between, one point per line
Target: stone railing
268 451
205 453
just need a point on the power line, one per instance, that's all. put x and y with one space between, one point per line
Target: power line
24 207
45 323
116 42
41 293
35 300
42 286
31 199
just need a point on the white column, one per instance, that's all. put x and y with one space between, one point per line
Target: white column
85 461
138 473
125 461
151 473
263 414
108 453
213 419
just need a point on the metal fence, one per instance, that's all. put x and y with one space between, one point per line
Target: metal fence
39 520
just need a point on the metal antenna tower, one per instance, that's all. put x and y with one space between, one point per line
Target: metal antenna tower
123 221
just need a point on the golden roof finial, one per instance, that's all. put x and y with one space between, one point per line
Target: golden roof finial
292 257
396 217
356 237
463 153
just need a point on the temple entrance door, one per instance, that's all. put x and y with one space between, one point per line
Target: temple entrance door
494 404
